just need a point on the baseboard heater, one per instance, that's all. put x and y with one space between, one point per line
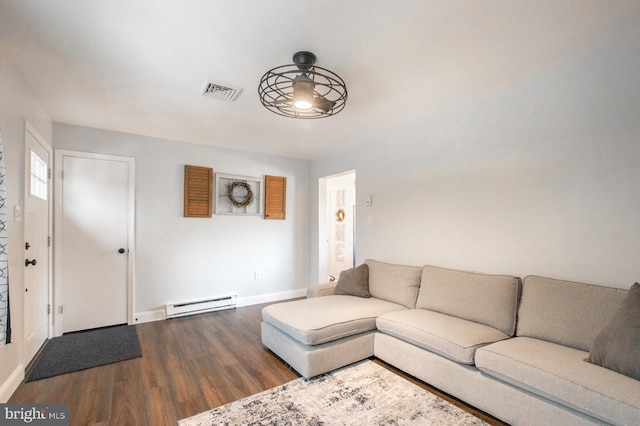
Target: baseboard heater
175 310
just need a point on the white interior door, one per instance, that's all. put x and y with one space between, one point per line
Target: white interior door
96 226
37 251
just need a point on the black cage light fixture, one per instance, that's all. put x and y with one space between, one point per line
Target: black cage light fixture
302 89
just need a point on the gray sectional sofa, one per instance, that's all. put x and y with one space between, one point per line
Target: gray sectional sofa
513 348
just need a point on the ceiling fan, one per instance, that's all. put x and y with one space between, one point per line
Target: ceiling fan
302 89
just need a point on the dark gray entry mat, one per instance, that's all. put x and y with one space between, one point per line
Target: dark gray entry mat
80 351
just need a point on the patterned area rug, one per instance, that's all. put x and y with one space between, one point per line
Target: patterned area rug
361 394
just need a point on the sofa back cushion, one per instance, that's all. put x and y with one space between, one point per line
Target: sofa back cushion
565 312
486 299
394 283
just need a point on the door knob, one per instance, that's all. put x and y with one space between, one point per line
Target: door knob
121 250
28 262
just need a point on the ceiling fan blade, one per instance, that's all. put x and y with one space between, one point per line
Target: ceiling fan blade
323 103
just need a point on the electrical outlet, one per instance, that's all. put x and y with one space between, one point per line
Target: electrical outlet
257 275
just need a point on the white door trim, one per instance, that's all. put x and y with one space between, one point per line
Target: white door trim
28 127
323 223
58 162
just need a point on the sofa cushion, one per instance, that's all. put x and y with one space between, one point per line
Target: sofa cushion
454 338
323 319
565 312
394 283
559 373
354 282
617 345
310 361
488 299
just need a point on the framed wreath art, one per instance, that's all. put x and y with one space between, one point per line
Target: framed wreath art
238 194
246 193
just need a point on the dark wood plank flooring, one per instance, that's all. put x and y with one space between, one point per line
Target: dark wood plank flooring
189 365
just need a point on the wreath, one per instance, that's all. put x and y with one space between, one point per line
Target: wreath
248 195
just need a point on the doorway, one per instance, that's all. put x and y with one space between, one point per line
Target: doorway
337 203
37 247
95 240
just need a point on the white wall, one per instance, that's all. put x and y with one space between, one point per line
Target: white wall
17 103
539 178
182 259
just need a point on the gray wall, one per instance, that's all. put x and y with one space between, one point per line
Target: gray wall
540 177
181 259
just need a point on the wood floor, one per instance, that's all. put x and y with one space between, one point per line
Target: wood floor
189 365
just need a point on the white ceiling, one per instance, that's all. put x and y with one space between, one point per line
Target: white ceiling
139 66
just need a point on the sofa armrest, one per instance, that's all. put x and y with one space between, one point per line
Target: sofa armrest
326 289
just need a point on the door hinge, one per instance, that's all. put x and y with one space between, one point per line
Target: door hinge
48 241
49 173
49 309
60 309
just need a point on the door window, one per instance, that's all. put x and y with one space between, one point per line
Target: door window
38 179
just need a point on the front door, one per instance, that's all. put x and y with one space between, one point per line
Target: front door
96 227
37 242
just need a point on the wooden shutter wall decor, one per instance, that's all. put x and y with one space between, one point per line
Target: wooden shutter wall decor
198 191
275 197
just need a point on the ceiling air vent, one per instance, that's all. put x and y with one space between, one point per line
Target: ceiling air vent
225 92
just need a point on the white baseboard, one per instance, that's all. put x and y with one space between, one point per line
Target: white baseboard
11 384
149 316
159 313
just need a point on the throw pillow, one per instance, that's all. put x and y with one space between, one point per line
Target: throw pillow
354 282
617 346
